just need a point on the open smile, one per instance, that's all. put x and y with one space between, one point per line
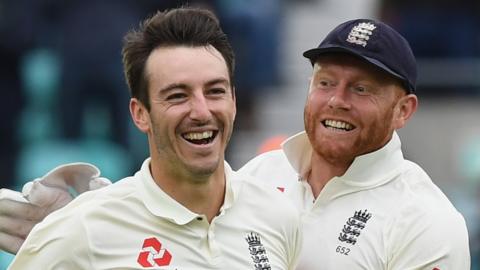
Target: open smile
200 138
337 125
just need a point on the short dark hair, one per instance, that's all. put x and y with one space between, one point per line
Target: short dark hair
184 26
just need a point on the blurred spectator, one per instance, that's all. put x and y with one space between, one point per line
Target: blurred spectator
439 29
271 143
15 37
253 28
90 37
10 108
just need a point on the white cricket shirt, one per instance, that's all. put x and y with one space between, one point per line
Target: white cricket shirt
383 213
133 224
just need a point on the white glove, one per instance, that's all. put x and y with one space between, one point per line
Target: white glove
19 212
59 186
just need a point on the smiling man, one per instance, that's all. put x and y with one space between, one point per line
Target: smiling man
363 205
183 209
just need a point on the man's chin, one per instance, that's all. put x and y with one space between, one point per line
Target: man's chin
204 169
336 153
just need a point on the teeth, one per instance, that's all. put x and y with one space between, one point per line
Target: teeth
198 135
338 124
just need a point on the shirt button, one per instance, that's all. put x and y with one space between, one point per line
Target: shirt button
199 218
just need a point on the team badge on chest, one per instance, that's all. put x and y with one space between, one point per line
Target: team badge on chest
257 251
354 226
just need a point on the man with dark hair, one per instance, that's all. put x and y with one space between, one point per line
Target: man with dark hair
182 209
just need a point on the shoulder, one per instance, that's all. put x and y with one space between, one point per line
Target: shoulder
271 168
63 238
265 198
429 235
92 203
72 220
272 157
425 217
422 191
109 194
414 194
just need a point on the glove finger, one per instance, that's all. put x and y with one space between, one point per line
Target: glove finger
99 182
46 196
12 195
21 210
10 243
76 175
16 227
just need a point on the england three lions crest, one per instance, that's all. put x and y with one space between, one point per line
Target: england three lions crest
360 34
354 226
258 253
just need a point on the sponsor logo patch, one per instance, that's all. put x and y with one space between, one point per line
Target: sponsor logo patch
153 254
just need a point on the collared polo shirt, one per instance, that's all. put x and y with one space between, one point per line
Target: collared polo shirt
133 224
383 213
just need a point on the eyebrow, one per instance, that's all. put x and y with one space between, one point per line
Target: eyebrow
218 81
172 86
185 86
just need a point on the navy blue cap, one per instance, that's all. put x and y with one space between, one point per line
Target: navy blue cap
374 42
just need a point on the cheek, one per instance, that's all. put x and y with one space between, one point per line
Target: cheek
156 125
309 118
316 97
314 105
380 124
226 108
166 122
313 102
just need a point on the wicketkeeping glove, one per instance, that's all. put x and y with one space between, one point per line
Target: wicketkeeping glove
19 212
59 186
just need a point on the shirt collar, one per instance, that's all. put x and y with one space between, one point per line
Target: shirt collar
161 204
366 170
231 191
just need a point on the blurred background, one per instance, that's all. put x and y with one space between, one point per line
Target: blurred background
65 100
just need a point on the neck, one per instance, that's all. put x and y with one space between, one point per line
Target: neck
323 171
201 194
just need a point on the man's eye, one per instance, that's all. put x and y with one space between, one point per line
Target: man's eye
176 96
324 84
360 89
217 91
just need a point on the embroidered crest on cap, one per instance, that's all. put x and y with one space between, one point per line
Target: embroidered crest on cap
361 33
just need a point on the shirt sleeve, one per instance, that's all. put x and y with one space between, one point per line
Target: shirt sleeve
434 240
58 242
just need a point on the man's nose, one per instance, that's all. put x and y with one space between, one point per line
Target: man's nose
340 98
199 109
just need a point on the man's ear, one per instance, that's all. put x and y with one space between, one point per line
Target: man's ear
140 115
405 108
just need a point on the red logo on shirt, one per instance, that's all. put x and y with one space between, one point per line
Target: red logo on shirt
153 254
282 189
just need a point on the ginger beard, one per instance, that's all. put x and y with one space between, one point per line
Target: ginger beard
344 147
